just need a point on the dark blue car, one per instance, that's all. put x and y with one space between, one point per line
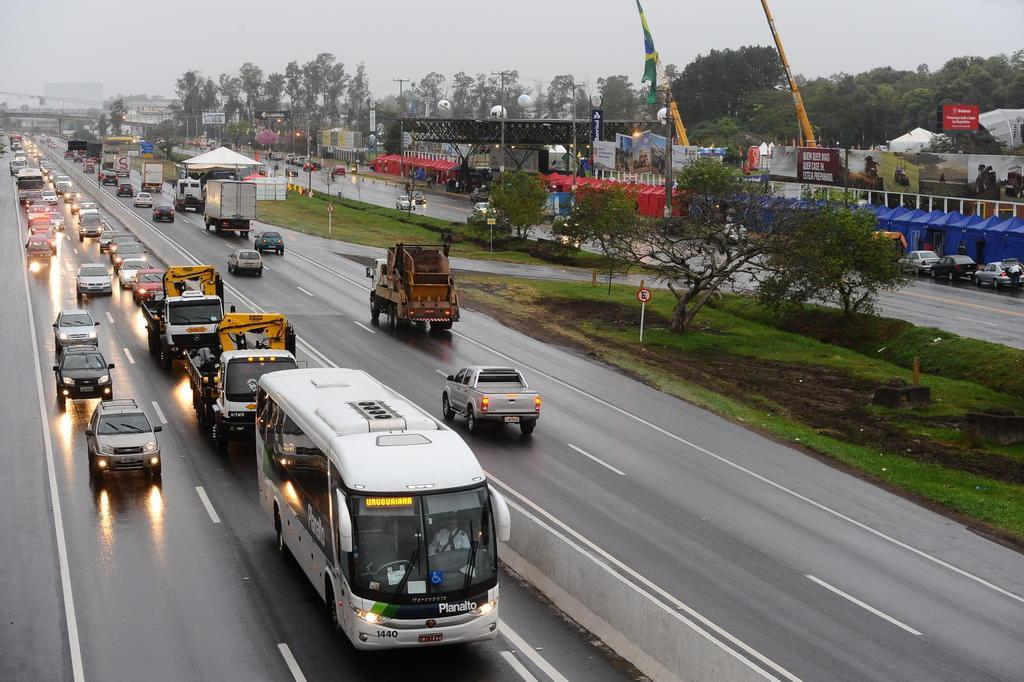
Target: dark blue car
270 241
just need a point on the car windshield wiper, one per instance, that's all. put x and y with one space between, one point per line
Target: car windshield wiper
408 570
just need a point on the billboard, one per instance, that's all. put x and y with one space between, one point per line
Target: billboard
960 118
213 118
818 165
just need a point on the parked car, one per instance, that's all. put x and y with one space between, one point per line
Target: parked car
245 260
993 275
92 278
82 373
143 200
495 394
163 212
74 327
269 241
119 437
149 286
954 267
919 262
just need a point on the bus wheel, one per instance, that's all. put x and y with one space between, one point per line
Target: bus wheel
332 605
282 548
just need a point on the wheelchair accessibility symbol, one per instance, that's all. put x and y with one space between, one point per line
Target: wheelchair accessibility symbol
436 577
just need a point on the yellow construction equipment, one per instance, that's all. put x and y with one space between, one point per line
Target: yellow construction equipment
798 101
680 129
253 331
203 278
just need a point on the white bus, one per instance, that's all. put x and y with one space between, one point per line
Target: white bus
387 511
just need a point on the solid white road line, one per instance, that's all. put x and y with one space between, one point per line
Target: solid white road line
514 663
128 354
602 463
74 647
531 653
364 326
110 318
864 606
290 661
76 251
307 293
206 503
159 412
968 319
764 479
442 373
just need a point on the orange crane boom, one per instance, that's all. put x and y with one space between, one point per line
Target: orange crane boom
798 101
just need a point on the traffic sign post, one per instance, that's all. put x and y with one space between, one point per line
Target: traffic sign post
330 217
492 222
643 294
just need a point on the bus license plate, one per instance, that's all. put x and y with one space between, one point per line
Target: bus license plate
511 420
432 638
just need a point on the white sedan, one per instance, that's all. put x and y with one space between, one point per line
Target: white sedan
143 199
129 271
50 197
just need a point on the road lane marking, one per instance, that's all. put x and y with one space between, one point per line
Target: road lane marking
159 412
128 354
290 661
864 606
764 479
978 306
364 326
442 373
70 618
531 653
971 319
76 251
110 318
601 462
514 663
206 503
306 292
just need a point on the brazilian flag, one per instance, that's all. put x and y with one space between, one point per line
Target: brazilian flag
650 59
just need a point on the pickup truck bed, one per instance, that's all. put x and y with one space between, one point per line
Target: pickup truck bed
491 394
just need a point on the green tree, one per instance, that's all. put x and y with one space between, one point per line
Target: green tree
724 235
618 97
608 218
103 125
118 113
834 256
520 198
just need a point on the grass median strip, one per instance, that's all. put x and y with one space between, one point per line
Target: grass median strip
815 395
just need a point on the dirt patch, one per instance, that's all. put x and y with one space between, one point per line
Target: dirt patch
832 402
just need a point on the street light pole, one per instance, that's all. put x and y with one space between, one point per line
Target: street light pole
501 104
401 126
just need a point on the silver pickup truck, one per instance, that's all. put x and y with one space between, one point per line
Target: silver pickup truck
495 394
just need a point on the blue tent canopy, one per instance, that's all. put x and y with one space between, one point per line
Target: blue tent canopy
1009 225
947 219
928 218
966 222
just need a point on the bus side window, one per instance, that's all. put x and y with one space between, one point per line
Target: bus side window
264 413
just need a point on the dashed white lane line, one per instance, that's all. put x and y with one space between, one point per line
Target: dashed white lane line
970 319
441 372
206 503
110 318
306 292
159 412
290 661
528 651
599 461
364 326
864 606
514 663
76 251
128 354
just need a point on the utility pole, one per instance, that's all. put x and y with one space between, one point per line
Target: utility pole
501 103
401 126
575 158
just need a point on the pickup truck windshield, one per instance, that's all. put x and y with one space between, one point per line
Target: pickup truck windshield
77 320
201 312
123 423
83 361
242 377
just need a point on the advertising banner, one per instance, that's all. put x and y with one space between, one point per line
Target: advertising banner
604 155
818 166
213 118
960 118
596 125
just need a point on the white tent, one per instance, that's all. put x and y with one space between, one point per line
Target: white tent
914 141
222 157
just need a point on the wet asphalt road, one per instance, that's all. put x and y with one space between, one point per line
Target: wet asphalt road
766 543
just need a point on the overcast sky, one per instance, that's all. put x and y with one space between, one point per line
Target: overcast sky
134 47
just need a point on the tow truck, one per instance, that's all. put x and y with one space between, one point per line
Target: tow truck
186 317
224 379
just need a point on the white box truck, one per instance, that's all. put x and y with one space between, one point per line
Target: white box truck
152 177
230 205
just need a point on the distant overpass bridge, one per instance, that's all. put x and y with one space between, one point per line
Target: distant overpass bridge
62 117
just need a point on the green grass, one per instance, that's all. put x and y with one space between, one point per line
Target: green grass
723 332
371 225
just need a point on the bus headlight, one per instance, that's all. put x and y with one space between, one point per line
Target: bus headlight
485 608
370 617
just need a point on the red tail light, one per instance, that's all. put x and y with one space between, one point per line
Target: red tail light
536 404
485 404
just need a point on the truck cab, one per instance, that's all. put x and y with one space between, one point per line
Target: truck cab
188 317
189 193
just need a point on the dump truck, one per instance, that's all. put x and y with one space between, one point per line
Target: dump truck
223 378
414 284
152 176
186 318
230 205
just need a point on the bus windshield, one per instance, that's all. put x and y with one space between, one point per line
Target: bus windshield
423 545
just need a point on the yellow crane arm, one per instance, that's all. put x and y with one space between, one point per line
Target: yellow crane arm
268 332
204 278
680 128
798 100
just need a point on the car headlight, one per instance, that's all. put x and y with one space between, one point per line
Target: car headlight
150 447
370 617
69 382
104 379
62 336
92 335
106 449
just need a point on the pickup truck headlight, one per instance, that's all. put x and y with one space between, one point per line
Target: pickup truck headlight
62 336
106 449
104 379
150 447
92 335
69 382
